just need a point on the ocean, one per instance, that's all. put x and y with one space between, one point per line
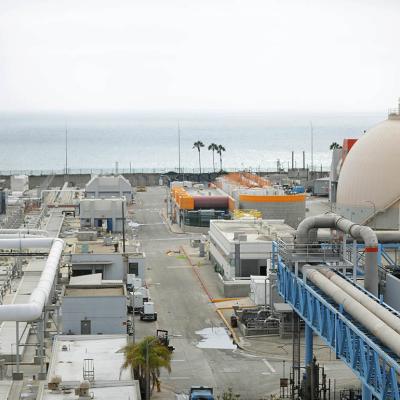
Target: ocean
149 141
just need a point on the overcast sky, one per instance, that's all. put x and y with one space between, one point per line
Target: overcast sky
303 55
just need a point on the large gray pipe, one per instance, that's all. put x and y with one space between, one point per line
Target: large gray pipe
335 221
382 236
370 321
381 312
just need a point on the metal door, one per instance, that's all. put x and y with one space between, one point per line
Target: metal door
86 327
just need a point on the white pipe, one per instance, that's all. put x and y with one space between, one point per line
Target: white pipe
36 232
381 312
38 299
17 235
376 326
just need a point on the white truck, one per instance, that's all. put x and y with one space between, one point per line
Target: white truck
148 313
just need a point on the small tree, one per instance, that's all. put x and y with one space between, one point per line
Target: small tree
148 353
335 145
213 147
219 151
228 395
198 145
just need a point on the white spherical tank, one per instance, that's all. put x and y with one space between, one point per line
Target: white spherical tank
369 182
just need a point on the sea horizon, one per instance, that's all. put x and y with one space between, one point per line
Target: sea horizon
145 141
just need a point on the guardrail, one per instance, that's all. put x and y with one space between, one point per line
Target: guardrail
291 252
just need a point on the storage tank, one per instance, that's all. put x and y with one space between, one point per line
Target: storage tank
369 183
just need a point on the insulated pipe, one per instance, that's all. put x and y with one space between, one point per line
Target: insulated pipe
376 326
38 299
35 232
356 231
17 235
382 236
381 312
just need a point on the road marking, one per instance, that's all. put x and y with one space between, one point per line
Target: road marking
176 377
270 367
178 360
265 373
179 267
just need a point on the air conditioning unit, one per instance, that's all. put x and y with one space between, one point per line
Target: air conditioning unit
54 384
82 391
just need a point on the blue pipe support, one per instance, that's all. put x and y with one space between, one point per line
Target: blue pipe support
309 345
366 393
376 369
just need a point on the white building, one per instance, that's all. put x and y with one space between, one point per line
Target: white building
102 213
96 359
105 187
241 248
94 309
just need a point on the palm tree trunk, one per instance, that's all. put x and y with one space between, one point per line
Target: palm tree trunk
213 161
220 161
199 162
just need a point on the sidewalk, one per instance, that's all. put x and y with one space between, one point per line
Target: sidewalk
174 228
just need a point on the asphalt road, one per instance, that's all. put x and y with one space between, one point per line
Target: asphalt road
183 308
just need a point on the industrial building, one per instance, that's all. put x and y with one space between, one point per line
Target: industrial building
242 248
106 214
88 367
321 187
109 186
19 183
101 257
192 206
249 191
369 184
94 309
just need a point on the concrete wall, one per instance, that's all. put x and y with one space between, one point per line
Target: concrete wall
117 270
114 264
292 212
238 288
107 314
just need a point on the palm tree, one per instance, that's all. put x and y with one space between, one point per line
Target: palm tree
219 151
148 355
334 146
198 145
213 147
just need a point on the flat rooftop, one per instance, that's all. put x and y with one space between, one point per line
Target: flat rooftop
94 291
110 382
208 192
256 230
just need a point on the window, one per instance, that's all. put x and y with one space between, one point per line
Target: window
133 268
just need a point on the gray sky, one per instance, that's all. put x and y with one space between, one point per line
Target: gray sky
304 55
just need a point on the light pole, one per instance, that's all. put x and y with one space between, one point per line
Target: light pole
373 205
148 343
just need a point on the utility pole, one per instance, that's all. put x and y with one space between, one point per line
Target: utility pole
123 225
312 147
179 148
66 153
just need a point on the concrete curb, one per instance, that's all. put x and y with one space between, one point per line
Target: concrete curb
167 221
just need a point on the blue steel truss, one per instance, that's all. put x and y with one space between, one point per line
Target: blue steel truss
376 368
